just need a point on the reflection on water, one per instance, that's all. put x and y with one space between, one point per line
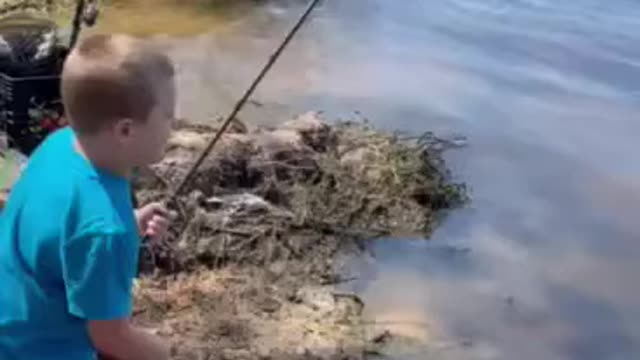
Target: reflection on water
547 93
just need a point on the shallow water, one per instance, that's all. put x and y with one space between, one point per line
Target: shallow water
543 263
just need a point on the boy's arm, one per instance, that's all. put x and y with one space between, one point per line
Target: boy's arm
98 271
119 340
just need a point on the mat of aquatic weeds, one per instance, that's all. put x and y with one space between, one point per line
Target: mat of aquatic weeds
250 267
303 188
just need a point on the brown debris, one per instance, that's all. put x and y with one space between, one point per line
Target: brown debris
249 268
278 194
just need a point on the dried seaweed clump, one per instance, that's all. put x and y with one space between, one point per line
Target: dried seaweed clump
303 188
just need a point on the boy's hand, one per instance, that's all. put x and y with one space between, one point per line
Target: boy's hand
153 220
119 340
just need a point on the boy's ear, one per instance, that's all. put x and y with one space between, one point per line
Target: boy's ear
123 128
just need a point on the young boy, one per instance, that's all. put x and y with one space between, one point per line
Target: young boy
69 237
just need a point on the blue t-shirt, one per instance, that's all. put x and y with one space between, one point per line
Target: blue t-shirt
68 253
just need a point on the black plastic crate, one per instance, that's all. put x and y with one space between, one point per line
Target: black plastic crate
30 109
31 59
32 52
19 94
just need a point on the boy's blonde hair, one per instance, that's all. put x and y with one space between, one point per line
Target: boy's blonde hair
111 77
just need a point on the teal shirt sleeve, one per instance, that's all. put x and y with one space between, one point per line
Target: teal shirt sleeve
98 274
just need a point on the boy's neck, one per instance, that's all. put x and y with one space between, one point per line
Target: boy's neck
102 156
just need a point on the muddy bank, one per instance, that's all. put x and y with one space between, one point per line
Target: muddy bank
255 252
254 313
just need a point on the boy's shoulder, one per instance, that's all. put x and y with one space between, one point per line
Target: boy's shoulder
59 178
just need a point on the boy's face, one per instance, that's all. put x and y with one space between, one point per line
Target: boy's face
149 138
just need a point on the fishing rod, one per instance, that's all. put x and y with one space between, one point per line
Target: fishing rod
86 12
238 106
76 23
